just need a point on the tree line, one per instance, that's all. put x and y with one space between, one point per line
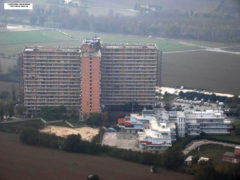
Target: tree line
170 159
210 26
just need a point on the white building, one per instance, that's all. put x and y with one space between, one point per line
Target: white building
195 122
155 130
157 137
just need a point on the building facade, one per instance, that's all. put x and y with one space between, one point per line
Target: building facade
130 73
90 76
196 122
51 77
82 79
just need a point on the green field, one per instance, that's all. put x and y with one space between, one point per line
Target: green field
37 36
214 152
12 43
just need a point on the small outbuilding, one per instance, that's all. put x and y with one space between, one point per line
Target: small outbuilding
232 157
188 161
203 159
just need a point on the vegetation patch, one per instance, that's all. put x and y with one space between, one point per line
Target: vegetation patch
38 36
214 152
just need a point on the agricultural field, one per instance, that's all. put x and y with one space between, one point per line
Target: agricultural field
37 36
12 43
213 71
20 161
179 68
214 152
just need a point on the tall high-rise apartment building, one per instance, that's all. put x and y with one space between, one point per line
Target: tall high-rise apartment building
83 79
130 73
51 77
90 76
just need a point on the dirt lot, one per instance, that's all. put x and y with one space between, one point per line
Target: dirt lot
201 69
20 161
121 140
86 133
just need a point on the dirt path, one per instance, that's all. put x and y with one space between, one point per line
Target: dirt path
195 144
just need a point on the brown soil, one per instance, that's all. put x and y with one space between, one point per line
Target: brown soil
213 71
20 161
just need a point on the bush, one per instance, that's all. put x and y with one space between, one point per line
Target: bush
72 143
29 136
48 140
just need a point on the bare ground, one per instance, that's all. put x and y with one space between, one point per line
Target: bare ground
214 71
20 161
121 140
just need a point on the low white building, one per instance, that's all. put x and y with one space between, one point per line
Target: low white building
196 122
155 130
156 137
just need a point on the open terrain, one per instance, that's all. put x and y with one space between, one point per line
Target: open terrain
86 133
214 152
121 140
184 64
214 71
20 161
11 43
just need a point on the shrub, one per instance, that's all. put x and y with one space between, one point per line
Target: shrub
72 143
29 136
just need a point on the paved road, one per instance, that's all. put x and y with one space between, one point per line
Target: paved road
195 144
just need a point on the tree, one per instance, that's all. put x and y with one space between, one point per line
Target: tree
20 109
13 93
53 113
29 136
94 119
1 110
172 158
206 171
72 143
5 95
10 108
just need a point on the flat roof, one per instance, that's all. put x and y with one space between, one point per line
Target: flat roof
51 49
129 46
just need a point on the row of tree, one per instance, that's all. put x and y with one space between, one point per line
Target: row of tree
171 159
213 26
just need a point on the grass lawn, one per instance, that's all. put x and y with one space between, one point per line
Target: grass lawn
37 36
214 152
11 43
234 139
